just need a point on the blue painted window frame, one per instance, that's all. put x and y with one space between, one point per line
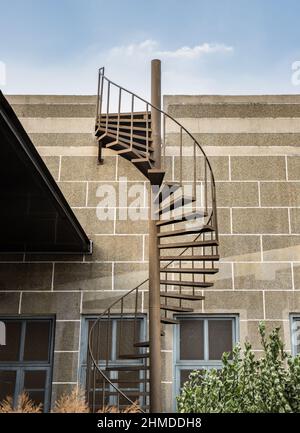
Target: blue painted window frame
21 366
201 363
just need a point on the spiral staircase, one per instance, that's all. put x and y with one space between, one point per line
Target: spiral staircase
184 207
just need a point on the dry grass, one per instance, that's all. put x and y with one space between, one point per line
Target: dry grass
75 402
134 408
24 405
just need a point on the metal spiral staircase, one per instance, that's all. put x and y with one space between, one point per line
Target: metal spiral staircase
184 207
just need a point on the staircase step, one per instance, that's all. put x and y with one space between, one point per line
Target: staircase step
114 132
126 368
194 258
136 114
120 381
142 344
167 189
182 296
175 203
126 143
142 164
113 126
175 308
169 321
129 393
132 356
190 270
186 283
155 175
195 244
186 231
191 216
122 139
125 151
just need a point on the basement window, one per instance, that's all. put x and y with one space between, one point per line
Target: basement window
200 342
295 334
26 359
114 338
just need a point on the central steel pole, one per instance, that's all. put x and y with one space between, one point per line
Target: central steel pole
154 265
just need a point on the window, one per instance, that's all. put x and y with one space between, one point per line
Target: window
295 333
26 359
115 338
200 342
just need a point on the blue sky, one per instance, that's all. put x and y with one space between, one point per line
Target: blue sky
216 46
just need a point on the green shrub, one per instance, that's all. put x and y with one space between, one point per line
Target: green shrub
246 384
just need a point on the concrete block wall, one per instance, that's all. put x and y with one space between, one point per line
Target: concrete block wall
253 146
62 128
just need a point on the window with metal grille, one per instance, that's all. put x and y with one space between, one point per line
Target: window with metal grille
26 359
112 339
200 342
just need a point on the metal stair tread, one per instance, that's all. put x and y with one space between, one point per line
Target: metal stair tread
186 231
176 308
198 258
175 203
183 296
190 270
134 356
191 216
187 244
168 320
186 283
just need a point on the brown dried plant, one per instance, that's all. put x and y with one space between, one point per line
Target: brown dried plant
24 405
75 402
134 408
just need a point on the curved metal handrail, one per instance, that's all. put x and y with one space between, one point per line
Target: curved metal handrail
104 314
212 218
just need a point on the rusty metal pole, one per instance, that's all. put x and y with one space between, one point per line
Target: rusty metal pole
154 265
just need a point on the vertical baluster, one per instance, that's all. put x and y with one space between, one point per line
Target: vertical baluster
94 378
119 111
195 170
147 129
164 142
180 155
107 104
107 339
205 185
131 122
135 337
121 324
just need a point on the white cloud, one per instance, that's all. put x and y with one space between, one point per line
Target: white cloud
151 47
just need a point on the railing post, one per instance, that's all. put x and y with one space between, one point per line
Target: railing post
154 264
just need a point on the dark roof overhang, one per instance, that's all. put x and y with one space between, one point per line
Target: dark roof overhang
34 215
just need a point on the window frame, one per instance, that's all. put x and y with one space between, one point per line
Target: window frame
293 318
84 347
179 365
21 366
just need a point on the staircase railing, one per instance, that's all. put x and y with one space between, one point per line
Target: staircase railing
96 365
112 98
101 383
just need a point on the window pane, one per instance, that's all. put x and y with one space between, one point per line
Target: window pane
37 341
191 339
220 338
34 379
37 396
10 352
296 337
128 333
102 336
7 383
128 379
184 376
